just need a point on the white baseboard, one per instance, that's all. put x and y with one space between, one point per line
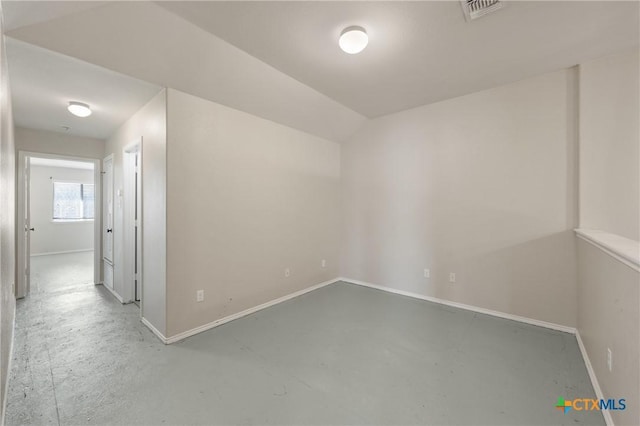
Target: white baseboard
572 330
154 330
594 380
545 324
60 252
9 365
246 312
116 295
539 323
518 318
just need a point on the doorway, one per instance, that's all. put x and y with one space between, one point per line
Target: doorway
58 246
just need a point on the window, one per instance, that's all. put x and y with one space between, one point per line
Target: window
73 201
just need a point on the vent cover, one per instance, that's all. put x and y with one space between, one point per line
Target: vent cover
474 9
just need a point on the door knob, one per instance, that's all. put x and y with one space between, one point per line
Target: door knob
109 230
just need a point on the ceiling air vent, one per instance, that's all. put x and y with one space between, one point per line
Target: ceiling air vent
474 9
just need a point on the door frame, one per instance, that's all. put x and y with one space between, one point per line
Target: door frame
130 244
23 286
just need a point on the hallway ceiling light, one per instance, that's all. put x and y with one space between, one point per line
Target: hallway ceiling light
353 40
79 109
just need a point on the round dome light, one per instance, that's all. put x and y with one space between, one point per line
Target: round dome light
79 109
353 40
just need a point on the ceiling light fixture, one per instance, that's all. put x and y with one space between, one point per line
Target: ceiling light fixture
353 40
79 109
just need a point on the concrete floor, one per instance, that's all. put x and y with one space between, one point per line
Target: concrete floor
55 272
340 355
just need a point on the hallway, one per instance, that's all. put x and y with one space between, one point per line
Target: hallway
71 351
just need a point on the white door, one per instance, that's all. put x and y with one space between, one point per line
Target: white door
107 234
132 222
27 228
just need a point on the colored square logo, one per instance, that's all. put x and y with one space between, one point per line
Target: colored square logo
563 405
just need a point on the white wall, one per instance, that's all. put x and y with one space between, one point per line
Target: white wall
150 124
610 145
7 223
42 141
50 236
609 318
247 198
608 290
483 186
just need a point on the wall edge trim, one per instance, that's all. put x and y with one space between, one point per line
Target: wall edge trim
154 330
499 314
619 255
594 380
229 318
60 252
116 295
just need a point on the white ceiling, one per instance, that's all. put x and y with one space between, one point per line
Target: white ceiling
280 60
419 52
53 162
44 82
18 14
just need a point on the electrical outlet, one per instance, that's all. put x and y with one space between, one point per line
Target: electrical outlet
200 296
287 272
427 273
324 263
609 359
452 277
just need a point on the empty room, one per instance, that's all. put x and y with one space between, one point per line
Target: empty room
320 212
